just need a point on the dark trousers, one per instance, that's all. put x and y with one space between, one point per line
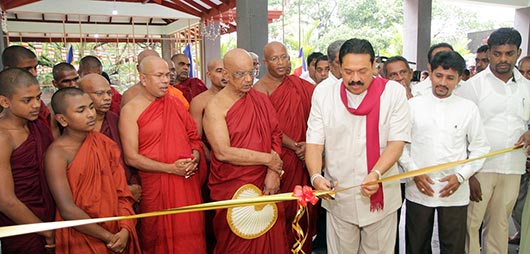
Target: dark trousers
419 228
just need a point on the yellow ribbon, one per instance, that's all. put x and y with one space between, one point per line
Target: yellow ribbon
39 227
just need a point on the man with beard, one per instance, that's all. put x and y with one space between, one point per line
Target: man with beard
502 95
309 75
425 86
64 75
445 128
481 60
334 65
291 98
397 68
362 124
190 87
98 89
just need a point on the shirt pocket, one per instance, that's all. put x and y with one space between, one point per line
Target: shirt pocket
523 107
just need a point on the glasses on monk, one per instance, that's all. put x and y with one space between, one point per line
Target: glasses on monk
256 63
70 80
277 59
241 74
160 75
101 93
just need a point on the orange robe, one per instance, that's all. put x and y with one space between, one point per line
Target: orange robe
167 132
116 101
175 92
191 87
31 188
292 101
252 124
99 188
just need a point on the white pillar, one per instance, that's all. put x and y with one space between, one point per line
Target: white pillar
522 24
212 50
252 26
417 31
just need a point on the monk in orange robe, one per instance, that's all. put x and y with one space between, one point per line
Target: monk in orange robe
242 128
291 97
160 139
24 194
190 87
87 180
99 90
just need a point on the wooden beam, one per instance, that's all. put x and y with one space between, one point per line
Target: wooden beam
196 5
10 4
85 22
183 8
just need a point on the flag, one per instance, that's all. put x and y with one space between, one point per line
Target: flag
70 56
187 52
303 68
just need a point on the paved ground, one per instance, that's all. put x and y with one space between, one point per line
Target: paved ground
511 250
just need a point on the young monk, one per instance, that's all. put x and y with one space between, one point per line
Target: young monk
99 90
24 194
87 180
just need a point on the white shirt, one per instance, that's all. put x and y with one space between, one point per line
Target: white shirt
330 81
505 111
443 130
344 138
305 76
423 87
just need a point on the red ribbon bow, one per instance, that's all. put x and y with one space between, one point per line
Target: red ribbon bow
305 194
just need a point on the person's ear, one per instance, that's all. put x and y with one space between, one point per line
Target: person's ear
61 120
4 102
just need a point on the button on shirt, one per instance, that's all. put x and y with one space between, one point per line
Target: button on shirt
441 132
505 111
344 138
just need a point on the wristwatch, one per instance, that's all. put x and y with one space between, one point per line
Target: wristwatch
460 178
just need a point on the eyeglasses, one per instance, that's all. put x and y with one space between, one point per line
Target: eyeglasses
256 63
160 75
276 59
101 93
70 80
241 74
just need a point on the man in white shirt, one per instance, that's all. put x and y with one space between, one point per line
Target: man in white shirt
502 95
334 65
309 75
424 87
362 124
445 128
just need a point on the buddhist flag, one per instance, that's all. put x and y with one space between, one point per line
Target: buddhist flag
70 56
302 68
187 52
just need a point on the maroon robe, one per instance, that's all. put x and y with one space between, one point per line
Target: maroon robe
44 114
292 101
252 124
191 87
109 127
31 188
167 133
116 101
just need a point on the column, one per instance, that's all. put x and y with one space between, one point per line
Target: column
417 31
211 50
522 24
252 26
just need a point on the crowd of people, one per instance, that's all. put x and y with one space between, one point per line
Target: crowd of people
170 141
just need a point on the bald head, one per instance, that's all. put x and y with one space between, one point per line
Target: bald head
146 53
148 64
272 47
90 64
214 63
13 78
91 80
236 57
59 102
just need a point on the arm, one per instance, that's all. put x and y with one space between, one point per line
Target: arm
390 155
55 166
129 139
196 109
219 138
10 205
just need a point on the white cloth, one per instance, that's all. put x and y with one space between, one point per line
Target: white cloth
344 138
505 111
443 130
423 87
330 81
305 76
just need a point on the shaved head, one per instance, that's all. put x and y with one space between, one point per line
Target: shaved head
13 55
273 46
146 53
90 80
212 64
90 64
147 64
13 78
59 102
235 58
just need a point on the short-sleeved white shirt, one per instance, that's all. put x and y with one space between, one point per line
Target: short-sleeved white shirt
344 138
505 111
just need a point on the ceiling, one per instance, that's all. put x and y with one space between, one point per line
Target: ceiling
111 20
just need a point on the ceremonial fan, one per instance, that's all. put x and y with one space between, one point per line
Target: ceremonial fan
249 222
